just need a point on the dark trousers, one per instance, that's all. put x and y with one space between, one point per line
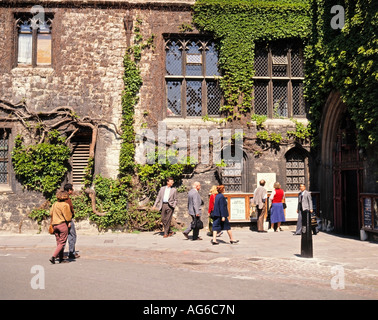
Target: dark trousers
195 231
260 218
166 217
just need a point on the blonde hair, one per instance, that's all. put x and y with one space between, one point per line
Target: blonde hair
213 190
277 185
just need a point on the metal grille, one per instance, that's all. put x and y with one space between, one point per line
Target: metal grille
212 61
173 59
261 62
173 98
232 176
298 101
261 98
4 154
295 171
214 96
194 98
296 63
279 99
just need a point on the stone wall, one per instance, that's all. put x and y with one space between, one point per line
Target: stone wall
88 46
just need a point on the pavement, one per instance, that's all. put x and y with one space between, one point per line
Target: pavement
341 267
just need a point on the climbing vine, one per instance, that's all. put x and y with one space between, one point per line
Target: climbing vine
238 25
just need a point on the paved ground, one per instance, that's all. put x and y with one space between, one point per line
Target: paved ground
146 266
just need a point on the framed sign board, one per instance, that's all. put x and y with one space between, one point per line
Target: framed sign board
238 206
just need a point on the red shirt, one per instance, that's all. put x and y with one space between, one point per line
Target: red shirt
278 196
211 203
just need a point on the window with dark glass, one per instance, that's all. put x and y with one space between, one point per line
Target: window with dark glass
34 40
4 156
192 89
278 80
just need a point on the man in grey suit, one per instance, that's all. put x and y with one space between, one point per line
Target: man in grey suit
166 202
194 208
304 204
259 199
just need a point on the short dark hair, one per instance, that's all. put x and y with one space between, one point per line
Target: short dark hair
168 178
262 182
68 186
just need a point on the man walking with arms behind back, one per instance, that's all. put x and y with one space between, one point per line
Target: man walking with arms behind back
194 208
166 202
259 198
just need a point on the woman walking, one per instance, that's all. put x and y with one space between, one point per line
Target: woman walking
220 216
277 214
213 193
60 219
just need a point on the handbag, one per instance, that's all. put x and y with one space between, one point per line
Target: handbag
314 223
197 224
51 229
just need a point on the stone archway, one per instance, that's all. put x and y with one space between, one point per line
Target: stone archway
339 174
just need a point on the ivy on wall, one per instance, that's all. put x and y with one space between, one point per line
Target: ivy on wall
345 61
238 25
342 60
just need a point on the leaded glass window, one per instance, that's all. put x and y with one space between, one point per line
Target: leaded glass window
278 80
34 44
4 156
192 86
295 170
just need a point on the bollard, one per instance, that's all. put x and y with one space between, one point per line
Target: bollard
306 237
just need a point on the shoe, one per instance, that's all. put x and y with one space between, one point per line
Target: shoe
165 236
63 261
73 256
52 260
171 234
214 242
262 231
234 241
280 229
185 235
199 238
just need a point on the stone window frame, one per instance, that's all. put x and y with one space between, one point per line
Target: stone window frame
184 40
20 16
268 65
7 187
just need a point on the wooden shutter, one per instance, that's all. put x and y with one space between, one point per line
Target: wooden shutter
80 156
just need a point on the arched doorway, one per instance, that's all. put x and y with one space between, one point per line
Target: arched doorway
340 174
347 178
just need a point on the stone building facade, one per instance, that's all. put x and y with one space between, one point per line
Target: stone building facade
85 72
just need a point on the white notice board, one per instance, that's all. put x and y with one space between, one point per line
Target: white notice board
291 208
237 208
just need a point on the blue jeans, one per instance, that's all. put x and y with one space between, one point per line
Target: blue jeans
72 238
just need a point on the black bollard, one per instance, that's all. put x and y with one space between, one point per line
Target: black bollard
306 237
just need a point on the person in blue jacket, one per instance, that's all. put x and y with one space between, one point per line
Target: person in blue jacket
220 217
